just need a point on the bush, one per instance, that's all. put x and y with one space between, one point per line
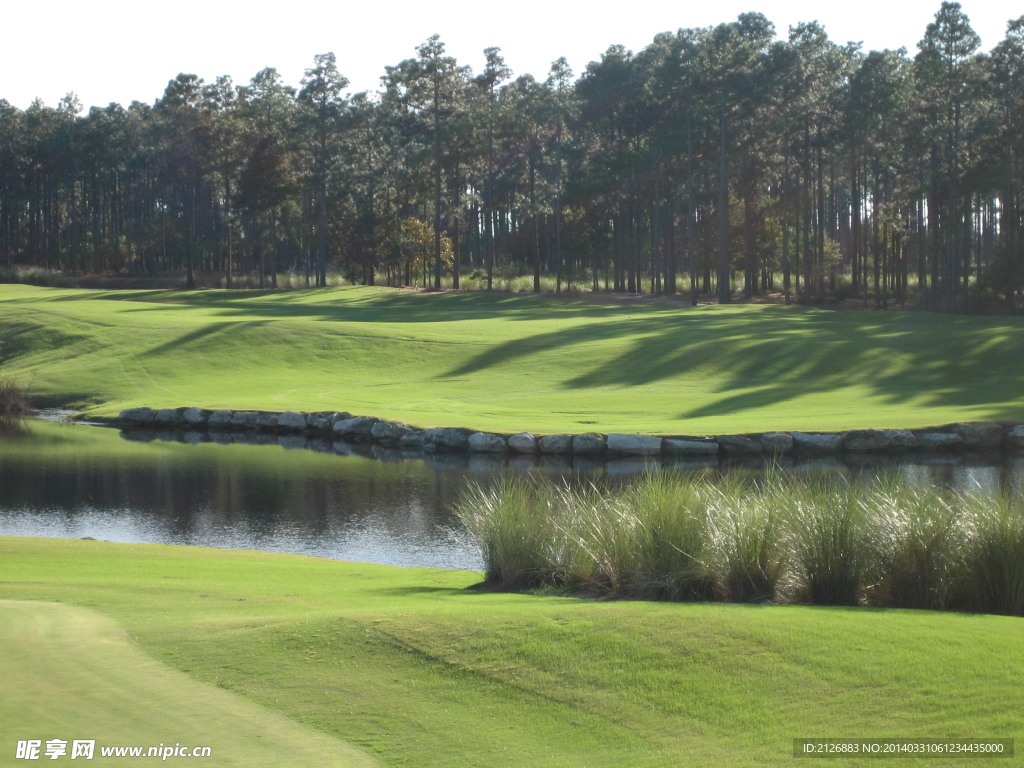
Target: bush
44 278
12 400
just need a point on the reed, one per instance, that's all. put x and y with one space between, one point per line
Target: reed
516 528
747 542
994 568
920 540
822 540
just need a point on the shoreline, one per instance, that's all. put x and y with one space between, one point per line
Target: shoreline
958 438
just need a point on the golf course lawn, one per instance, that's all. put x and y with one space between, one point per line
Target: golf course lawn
412 668
71 673
508 362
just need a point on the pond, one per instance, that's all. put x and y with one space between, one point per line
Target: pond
75 481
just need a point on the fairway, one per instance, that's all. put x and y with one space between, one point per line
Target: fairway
508 362
70 673
412 667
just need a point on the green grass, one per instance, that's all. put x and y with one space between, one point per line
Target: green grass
70 672
511 362
415 669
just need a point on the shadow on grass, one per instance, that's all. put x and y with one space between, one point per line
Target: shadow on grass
357 305
754 357
757 360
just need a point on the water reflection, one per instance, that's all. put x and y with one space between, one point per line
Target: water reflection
352 502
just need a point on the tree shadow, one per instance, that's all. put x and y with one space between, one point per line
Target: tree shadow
757 359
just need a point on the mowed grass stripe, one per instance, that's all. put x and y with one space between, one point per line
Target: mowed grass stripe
71 673
509 363
413 667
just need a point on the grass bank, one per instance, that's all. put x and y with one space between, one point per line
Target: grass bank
413 668
511 362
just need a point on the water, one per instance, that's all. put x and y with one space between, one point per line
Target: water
73 481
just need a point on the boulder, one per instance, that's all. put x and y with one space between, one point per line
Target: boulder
817 443
979 435
446 438
195 416
555 444
524 442
590 444
638 445
776 443
1015 438
878 440
939 441
220 419
902 439
168 417
265 420
244 420
138 416
737 444
323 422
358 426
390 431
487 442
865 440
292 420
679 446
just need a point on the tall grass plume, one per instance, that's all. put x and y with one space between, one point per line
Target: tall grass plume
818 540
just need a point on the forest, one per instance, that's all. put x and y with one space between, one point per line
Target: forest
725 163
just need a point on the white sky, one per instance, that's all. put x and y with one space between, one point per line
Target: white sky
127 50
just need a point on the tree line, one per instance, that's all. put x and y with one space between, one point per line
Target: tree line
716 161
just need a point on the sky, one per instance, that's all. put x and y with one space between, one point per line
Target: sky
122 51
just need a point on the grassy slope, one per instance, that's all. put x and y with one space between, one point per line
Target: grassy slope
507 363
87 680
409 665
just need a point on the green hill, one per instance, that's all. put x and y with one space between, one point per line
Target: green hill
511 362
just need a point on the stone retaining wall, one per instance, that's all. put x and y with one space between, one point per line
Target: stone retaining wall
953 438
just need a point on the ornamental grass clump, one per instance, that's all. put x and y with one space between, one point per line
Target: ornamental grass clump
994 568
747 542
830 551
599 535
920 539
515 526
821 540
672 535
